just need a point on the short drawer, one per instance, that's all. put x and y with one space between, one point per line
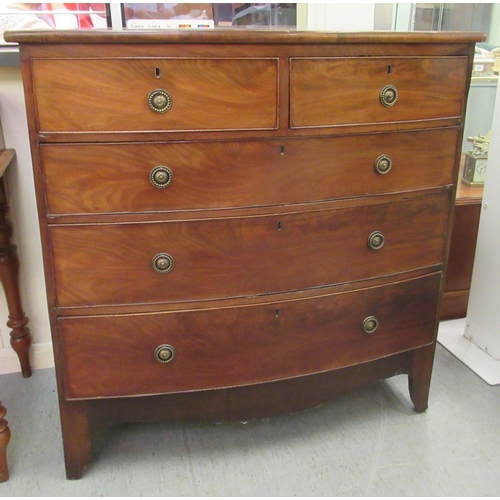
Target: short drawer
362 90
204 349
217 258
110 178
106 95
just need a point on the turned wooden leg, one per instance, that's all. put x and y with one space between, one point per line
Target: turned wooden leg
76 437
4 441
419 379
20 336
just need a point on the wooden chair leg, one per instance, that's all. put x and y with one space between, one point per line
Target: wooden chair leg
20 336
4 441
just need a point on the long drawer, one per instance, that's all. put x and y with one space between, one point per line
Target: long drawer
215 258
358 90
203 349
112 178
147 94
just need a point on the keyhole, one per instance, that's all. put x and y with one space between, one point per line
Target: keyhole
277 313
282 151
278 226
389 69
157 72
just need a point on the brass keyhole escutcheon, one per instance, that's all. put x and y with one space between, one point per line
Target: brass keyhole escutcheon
163 263
376 240
161 176
164 353
388 96
370 324
159 101
383 164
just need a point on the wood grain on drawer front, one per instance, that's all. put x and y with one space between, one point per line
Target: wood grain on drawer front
215 258
342 91
101 95
114 355
116 178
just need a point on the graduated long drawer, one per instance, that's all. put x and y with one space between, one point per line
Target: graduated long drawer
228 257
226 347
116 178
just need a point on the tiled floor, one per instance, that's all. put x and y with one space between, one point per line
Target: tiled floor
366 444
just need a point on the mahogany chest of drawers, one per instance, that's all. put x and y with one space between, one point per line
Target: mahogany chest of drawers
238 224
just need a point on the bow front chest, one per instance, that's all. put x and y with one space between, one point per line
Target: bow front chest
239 224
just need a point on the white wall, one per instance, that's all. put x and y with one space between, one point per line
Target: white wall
494 34
341 16
483 313
23 214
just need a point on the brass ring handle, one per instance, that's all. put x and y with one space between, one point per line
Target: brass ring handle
383 164
388 96
376 240
164 353
163 263
161 176
370 324
159 101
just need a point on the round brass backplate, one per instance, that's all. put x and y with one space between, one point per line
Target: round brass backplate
370 324
376 240
161 176
163 263
164 353
388 96
383 164
159 101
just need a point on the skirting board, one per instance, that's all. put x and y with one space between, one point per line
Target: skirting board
451 337
41 356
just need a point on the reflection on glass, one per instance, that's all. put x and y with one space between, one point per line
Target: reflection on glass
222 14
180 11
452 17
168 15
264 14
15 16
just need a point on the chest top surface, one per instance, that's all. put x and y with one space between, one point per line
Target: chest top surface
237 36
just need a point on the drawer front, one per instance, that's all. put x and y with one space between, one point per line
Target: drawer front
115 355
343 91
217 258
121 178
99 95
